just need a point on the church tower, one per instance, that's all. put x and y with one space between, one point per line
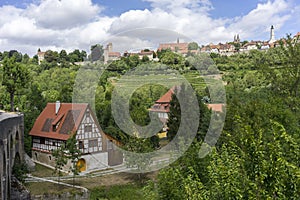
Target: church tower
272 35
236 38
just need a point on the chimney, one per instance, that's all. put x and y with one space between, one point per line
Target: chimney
57 106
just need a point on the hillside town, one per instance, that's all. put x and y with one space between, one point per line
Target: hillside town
46 131
186 48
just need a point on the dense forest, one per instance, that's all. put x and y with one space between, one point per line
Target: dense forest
258 153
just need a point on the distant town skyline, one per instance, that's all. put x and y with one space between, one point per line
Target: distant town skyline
26 25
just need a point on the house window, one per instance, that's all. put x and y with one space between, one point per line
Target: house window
93 143
42 140
80 145
87 128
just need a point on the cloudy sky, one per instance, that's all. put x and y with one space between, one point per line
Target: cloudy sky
26 25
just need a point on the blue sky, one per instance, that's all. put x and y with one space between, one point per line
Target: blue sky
27 25
231 8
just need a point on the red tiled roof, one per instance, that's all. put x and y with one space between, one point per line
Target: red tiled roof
67 119
174 46
297 35
146 53
167 97
41 53
216 107
114 54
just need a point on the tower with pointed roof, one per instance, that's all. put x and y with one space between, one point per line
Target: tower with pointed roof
272 35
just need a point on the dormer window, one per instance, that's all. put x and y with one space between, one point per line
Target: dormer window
56 122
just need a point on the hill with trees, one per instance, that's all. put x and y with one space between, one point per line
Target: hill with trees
258 153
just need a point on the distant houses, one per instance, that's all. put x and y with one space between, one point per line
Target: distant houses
109 54
150 54
296 38
223 49
183 48
237 46
41 56
162 106
60 121
178 47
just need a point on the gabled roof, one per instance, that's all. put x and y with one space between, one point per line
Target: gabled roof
60 125
167 97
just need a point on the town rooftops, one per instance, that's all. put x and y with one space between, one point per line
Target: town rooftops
297 35
59 120
114 54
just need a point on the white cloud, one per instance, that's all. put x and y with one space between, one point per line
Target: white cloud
68 24
192 19
24 29
8 13
261 18
62 14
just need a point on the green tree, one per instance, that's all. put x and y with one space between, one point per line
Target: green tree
291 65
73 154
145 58
133 61
51 56
137 156
97 52
174 116
193 46
15 77
60 159
172 59
63 56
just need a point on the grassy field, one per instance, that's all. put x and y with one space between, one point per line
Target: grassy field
42 171
117 192
113 186
40 188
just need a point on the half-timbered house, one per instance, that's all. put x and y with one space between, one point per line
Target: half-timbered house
58 122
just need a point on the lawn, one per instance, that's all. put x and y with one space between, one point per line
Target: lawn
42 171
113 186
41 188
118 192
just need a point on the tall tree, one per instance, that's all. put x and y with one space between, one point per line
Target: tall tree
15 77
73 154
174 116
97 52
291 65
136 157
60 160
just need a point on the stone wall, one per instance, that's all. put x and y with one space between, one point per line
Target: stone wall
11 149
